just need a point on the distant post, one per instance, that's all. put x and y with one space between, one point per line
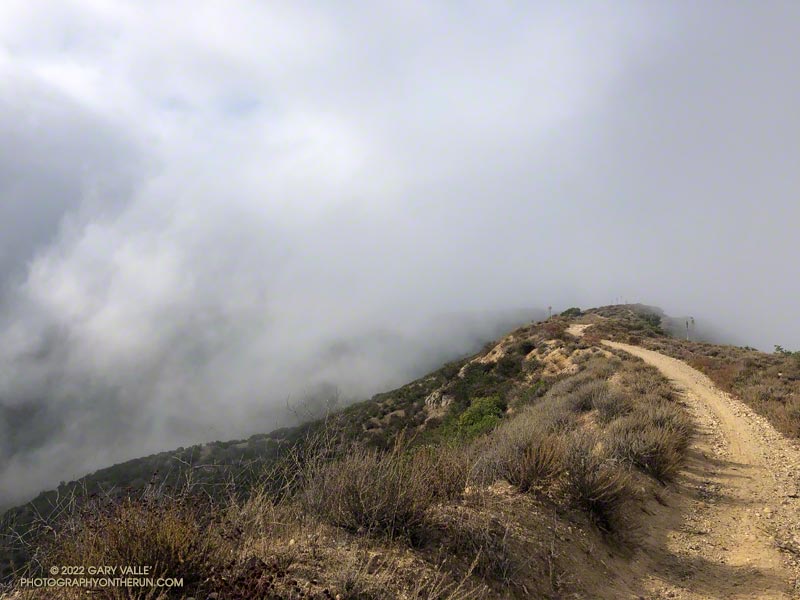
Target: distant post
549 311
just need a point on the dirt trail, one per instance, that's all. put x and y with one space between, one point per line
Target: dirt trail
736 530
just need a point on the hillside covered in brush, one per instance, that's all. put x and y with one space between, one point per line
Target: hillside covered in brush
535 468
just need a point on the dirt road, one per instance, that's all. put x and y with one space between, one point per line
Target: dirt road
736 530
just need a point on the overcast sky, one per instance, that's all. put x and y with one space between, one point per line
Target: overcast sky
208 207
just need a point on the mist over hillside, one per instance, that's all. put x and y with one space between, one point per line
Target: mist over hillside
693 328
299 197
59 421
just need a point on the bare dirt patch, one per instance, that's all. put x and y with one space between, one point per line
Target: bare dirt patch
577 329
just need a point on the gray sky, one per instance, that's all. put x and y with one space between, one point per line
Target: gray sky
206 208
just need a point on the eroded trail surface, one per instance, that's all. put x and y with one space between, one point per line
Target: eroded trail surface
736 533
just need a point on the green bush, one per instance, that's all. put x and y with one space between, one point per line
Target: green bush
482 416
529 395
524 347
509 366
479 380
653 321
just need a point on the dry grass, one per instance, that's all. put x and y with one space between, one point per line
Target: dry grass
553 416
325 561
636 423
668 417
384 493
593 370
642 380
540 462
596 483
651 449
647 428
612 405
585 397
170 534
368 576
769 383
479 536
522 453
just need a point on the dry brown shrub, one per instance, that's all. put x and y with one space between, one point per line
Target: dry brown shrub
386 493
553 416
653 450
612 405
596 483
667 416
522 453
586 396
172 535
642 380
479 536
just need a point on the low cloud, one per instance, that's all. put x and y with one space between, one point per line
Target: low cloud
204 212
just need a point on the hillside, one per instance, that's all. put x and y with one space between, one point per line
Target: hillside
555 463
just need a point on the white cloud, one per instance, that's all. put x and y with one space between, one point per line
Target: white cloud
202 204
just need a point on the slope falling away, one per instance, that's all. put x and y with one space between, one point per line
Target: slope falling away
590 455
